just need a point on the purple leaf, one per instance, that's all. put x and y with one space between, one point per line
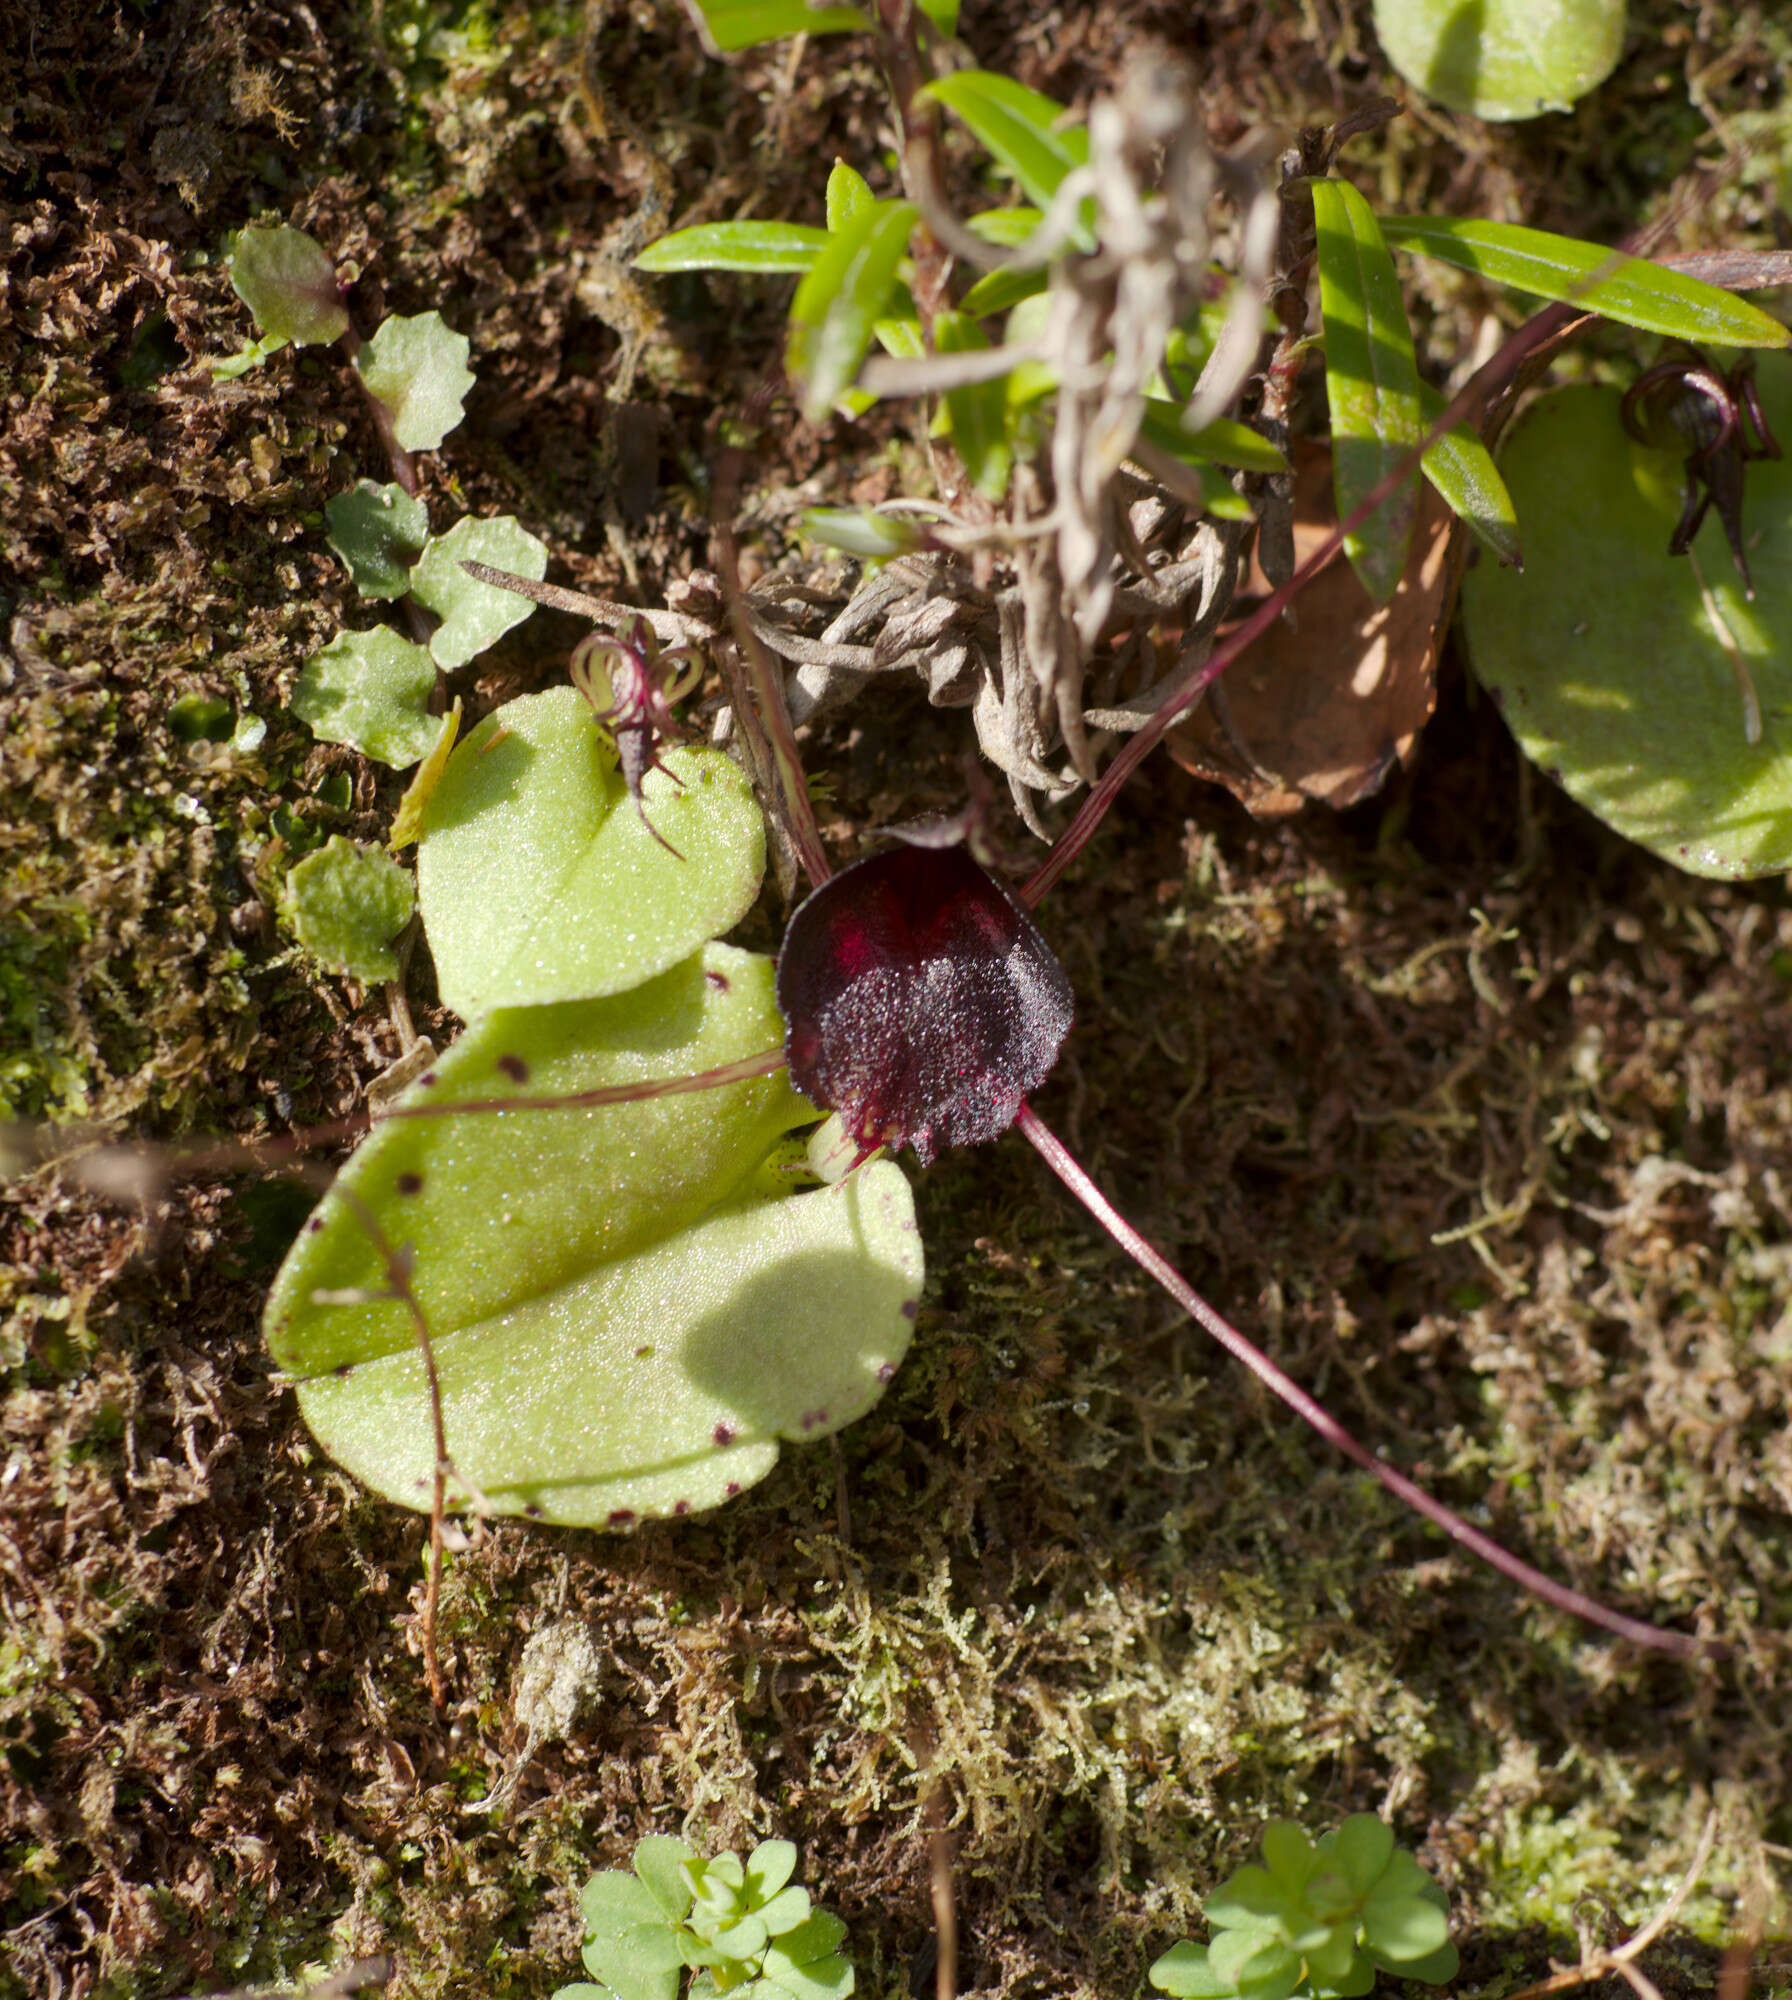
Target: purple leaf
922 1002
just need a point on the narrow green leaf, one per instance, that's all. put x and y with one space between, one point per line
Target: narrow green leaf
346 903
1623 288
849 195
978 413
1371 381
1025 131
1462 470
863 532
1007 228
741 24
735 246
943 14
839 303
370 690
416 366
1000 290
1225 441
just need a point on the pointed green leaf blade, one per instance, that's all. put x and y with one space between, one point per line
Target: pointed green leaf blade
623 1326
371 690
849 195
379 532
1371 381
416 367
742 24
1026 132
978 412
1590 276
1462 470
838 304
475 615
736 246
539 879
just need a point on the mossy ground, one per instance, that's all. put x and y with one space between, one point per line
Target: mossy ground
1480 1119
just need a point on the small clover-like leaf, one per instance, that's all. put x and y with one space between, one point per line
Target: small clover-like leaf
659 1861
540 882
346 903
416 367
784 1911
475 615
371 690
379 532
1184 1973
1404 1927
628 1943
288 282
769 1867
1251 1900
805 1963
1362 1847
1288 1854
1436 1968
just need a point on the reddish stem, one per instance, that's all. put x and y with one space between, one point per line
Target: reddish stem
1058 1157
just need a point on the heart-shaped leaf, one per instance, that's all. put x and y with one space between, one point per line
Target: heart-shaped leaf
379 532
288 282
625 1321
346 904
539 880
1634 687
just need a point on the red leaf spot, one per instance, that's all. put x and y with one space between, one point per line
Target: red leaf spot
515 1068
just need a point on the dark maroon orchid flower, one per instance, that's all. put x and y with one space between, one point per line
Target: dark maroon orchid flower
923 1004
1685 403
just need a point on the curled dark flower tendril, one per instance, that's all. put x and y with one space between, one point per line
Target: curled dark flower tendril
638 713
1686 403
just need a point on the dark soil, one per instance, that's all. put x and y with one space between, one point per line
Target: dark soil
1480 1120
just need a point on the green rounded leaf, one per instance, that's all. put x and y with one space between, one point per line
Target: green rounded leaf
1398 1928
1629 289
1184 1973
379 532
659 1861
1437 1968
625 1325
1252 1900
541 882
736 246
1502 59
1603 654
769 1867
416 367
346 903
288 282
628 1943
474 615
371 690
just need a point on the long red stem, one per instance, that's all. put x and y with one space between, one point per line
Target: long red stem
1058 1157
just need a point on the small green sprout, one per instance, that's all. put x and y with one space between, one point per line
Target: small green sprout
740 1927
1317 1920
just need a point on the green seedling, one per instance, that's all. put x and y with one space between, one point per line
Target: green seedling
1317 1921
739 1927
1651 686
